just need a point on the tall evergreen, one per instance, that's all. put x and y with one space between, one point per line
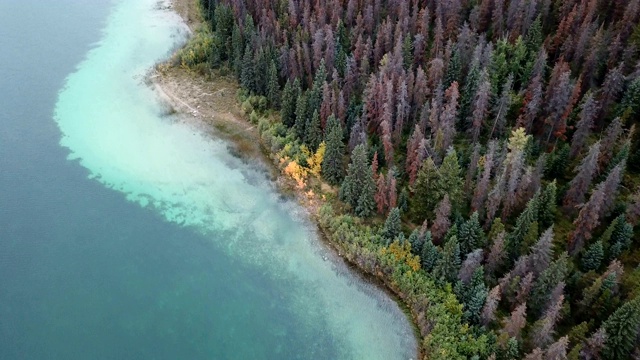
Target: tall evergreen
248 70
313 131
273 87
448 264
392 225
430 254
592 258
332 169
471 235
289 101
621 330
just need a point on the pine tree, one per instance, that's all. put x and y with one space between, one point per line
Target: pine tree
593 257
548 279
610 188
633 208
558 350
622 329
580 184
472 262
332 169
516 322
611 135
542 252
544 329
442 223
381 194
448 117
480 106
501 108
594 345
392 225
583 127
448 264
488 314
588 219
535 354
497 255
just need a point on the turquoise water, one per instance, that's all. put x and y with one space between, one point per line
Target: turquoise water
125 233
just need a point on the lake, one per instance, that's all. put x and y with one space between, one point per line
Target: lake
128 233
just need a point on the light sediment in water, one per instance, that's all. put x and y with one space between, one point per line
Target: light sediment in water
114 125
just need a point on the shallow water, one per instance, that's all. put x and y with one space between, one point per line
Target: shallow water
202 260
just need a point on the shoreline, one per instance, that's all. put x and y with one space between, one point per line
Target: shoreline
212 105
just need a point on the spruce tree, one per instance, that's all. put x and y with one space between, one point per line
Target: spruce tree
366 203
471 235
592 258
332 169
430 254
302 115
547 281
248 71
622 330
356 175
416 241
448 264
475 297
273 87
580 184
617 236
313 131
424 195
392 226
290 96
547 206
523 223
449 180
442 223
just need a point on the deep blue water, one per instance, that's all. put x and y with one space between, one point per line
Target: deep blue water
88 273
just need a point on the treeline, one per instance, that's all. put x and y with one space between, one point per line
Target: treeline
495 137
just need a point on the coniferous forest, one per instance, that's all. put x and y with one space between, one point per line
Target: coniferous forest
483 155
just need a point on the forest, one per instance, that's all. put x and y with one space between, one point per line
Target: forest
483 156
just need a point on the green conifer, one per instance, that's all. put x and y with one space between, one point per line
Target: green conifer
313 131
448 264
471 235
290 96
430 254
592 258
392 226
621 330
332 169
273 87
248 71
